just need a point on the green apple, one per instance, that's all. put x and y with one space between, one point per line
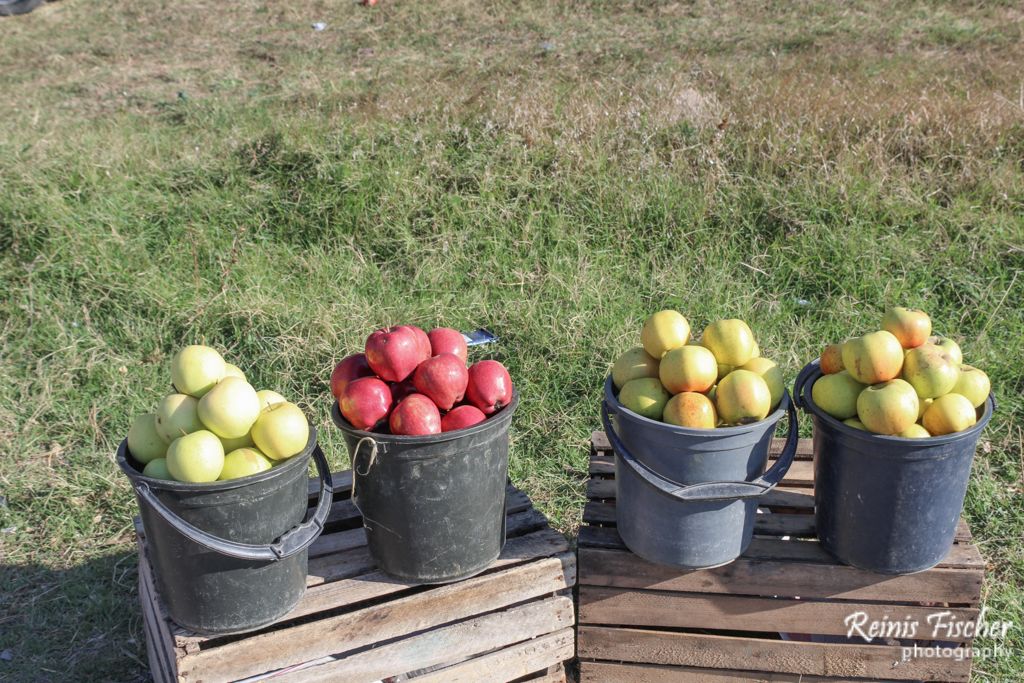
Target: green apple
855 423
875 357
973 384
731 341
243 462
268 398
743 397
770 373
196 369
837 394
633 364
951 347
230 408
281 431
234 444
177 415
888 407
157 469
930 370
915 431
196 457
144 441
645 396
232 370
948 414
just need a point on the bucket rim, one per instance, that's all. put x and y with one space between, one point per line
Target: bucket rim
505 414
125 461
813 372
772 418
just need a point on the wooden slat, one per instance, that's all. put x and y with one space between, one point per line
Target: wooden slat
613 672
802 525
643 608
961 556
160 664
304 642
749 576
342 484
877 662
554 674
446 645
510 663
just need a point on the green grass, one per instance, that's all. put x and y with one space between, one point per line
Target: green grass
168 176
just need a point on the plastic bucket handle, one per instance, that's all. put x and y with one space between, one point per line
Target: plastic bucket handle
814 365
724 490
291 542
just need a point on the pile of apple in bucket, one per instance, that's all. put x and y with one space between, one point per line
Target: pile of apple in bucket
427 433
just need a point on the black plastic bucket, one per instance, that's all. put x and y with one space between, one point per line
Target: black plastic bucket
433 506
695 456
231 556
693 526
887 504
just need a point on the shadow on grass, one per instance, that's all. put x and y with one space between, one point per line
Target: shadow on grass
81 623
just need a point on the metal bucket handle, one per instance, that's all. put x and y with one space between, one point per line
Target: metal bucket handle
724 490
291 542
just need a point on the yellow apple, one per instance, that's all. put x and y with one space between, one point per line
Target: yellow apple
756 353
837 394
196 457
177 415
911 326
196 369
144 441
930 370
855 423
743 397
664 331
234 444
915 431
831 359
875 357
633 364
688 368
268 398
157 469
690 409
731 341
951 347
281 431
948 414
645 396
724 369
230 408
973 384
923 404
232 370
888 407
771 374
243 462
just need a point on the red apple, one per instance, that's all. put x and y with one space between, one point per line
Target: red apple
422 339
447 340
350 368
490 387
365 402
400 390
415 415
442 379
462 417
394 353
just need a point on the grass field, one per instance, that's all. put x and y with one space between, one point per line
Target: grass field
221 172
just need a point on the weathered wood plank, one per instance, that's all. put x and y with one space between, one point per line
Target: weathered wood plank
446 645
510 663
554 674
877 662
160 661
420 611
749 576
613 672
648 608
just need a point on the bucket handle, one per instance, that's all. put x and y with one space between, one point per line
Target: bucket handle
801 380
291 542
710 491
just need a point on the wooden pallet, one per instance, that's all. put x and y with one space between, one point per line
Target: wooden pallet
354 623
646 623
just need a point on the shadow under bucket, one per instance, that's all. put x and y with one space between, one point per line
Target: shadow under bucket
433 506
231 556
887 504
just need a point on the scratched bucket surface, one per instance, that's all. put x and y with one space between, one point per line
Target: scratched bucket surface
433 506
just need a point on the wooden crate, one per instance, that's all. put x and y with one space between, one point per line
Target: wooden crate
646 623
513 622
